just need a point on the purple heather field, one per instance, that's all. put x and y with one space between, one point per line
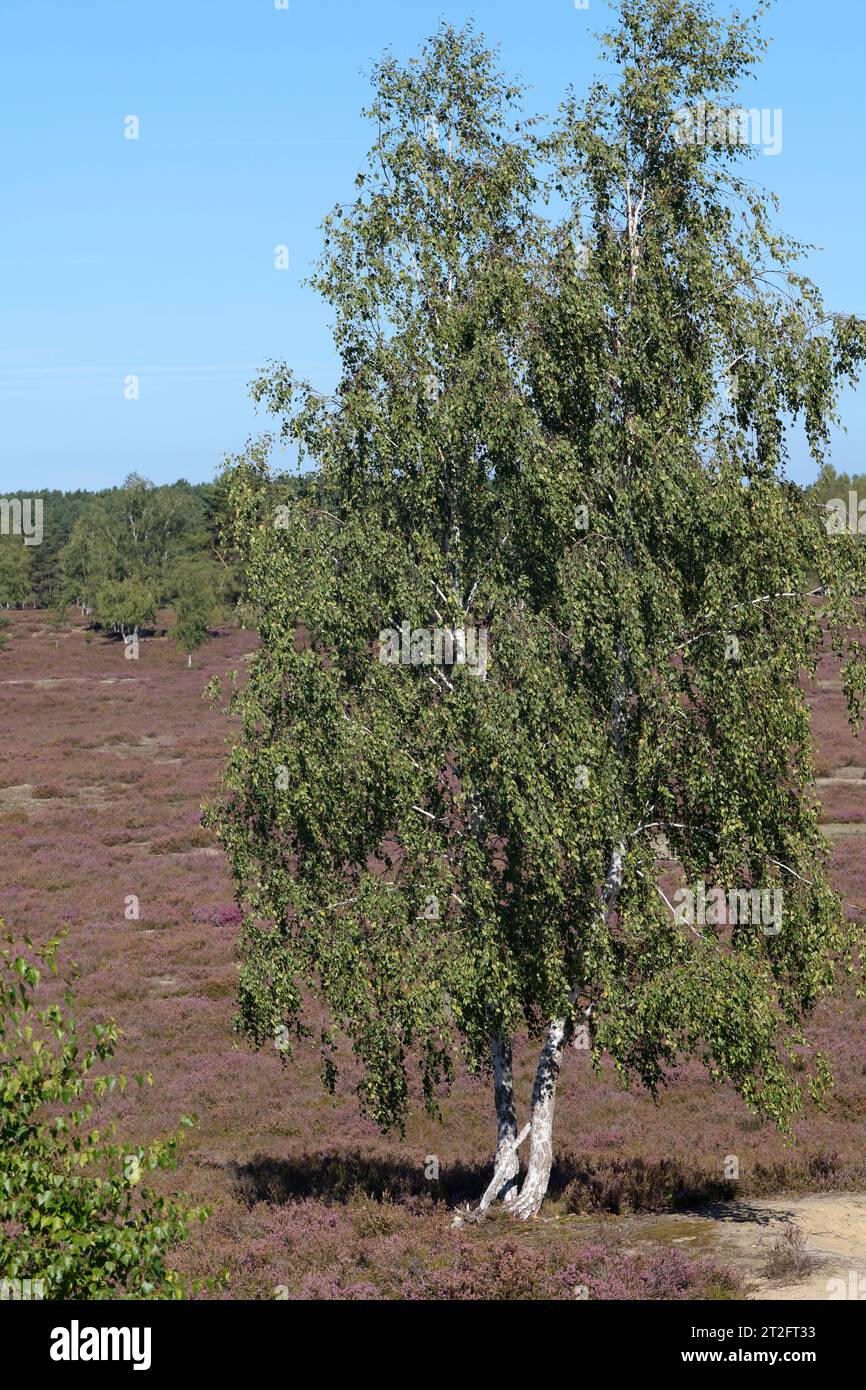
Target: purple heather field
105 765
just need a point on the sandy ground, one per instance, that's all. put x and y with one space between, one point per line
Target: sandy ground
740 1235
743 1234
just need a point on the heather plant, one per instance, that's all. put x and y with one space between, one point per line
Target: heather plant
76 1218
570 433
360 1250
595 1271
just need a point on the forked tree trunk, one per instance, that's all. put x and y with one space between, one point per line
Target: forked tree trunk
540 1128
504 1183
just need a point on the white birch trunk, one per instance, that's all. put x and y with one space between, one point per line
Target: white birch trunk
506 1164
535 1183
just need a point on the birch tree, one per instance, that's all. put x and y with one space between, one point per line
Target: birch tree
194 606
533 648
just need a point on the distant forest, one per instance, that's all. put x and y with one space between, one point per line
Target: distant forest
122 554
93 538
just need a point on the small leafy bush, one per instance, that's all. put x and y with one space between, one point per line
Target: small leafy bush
74 1211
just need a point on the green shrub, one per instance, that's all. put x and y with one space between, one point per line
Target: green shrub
74 1211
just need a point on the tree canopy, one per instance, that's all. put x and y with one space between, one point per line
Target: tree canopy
572 356
194 605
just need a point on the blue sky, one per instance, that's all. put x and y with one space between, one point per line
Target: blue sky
155 256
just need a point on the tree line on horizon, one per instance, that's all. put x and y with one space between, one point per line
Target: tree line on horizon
122 554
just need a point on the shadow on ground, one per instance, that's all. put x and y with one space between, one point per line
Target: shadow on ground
577 1185
740 1213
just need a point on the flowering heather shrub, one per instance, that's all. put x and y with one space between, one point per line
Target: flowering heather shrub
465 1267
72 1214
509 1271
226 915
633 1184
180 844
337 1213
361 1249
